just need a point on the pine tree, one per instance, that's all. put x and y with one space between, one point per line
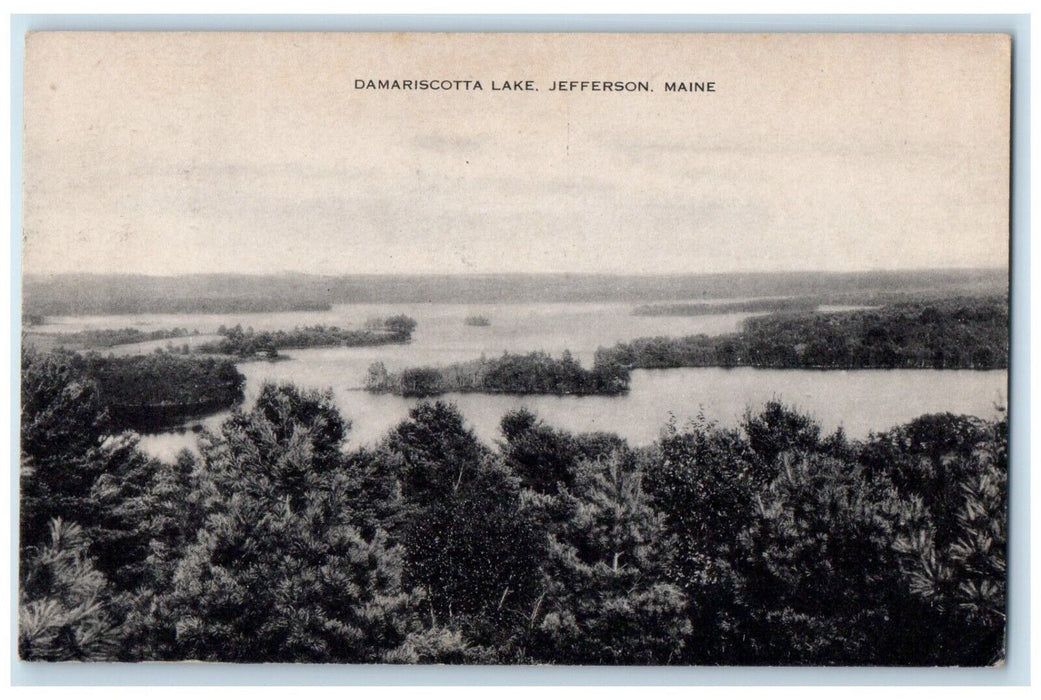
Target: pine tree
471 546
777 429
816 566
62 613
603 602
278 572
63 426
960 586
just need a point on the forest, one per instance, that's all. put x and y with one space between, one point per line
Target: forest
770 543
248 343
531 373
107 338
139 392
705 308
956 333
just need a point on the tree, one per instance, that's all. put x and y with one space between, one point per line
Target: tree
151 515
63 426
960 588
376 378
545 459
62 411
703 480
401 325
64 452
278 572
420 381
144 507
604 603
778 428
62 615
816 565
435 453
470 543
930 458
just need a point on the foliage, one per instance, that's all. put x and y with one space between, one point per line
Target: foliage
703 480
533 373
62 410
62 614
603 601
62 432
955 333
278 572
765 544
106 338
62 389
778 428
471 544
249 343
749 306
959 573
817 549
544 459
931 458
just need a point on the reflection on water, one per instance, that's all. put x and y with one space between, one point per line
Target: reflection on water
860 401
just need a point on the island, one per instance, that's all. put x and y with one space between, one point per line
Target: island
245 344
531 373
957 333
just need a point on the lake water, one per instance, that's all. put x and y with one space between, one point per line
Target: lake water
860 401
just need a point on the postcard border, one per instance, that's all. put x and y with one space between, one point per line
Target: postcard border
1016 671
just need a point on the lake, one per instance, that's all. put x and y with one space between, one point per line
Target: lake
860 401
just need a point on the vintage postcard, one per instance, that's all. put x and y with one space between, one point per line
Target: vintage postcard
586 349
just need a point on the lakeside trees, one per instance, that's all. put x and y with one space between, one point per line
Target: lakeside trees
152 391
807 304
249 343
957 333
766 544
242 343
139 391
106 338
531 373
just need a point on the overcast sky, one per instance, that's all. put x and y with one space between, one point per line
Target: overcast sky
176 153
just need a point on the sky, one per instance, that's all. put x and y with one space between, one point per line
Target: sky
172 153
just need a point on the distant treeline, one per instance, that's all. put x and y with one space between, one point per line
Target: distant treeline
807 303
479 321
98 304
959 333
146 392
106 294
706 308
533 373
249 343
107 338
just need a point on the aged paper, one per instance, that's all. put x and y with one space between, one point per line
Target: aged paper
656 349
777 152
